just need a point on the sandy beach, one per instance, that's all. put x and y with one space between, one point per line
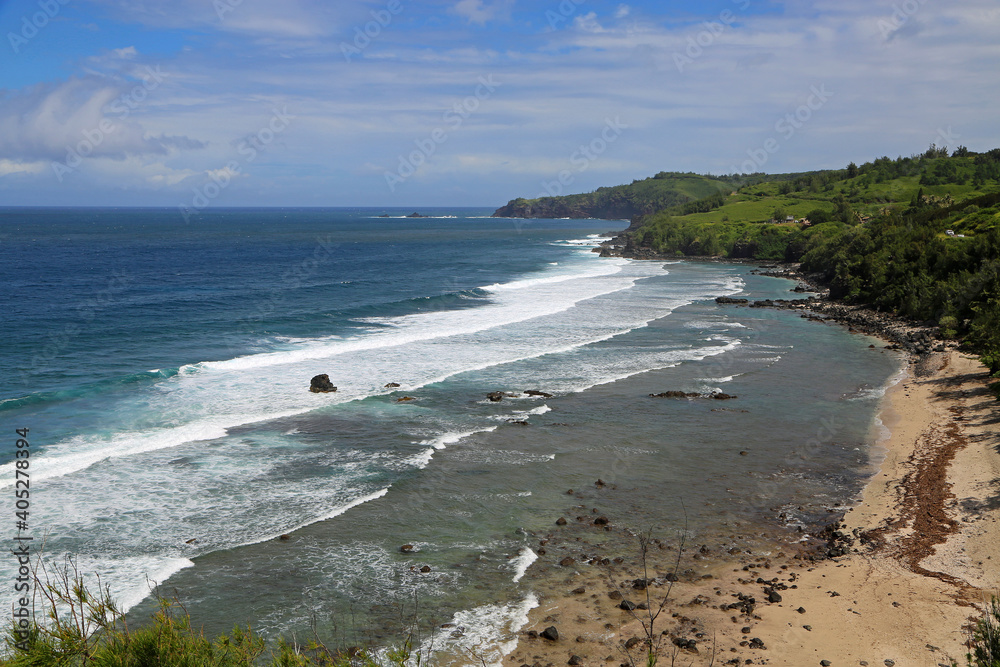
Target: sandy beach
896 585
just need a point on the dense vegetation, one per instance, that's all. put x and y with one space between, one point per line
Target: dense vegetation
621 202
878 232
83 628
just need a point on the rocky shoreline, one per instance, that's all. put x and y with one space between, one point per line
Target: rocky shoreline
886 582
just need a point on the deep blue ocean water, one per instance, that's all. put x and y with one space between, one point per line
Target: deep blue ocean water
163 369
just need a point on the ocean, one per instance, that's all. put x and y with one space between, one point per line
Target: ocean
163 368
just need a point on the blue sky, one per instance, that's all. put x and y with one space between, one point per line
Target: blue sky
470 102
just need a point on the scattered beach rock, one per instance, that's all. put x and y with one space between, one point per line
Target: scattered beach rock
321 384
579 591
550 633
575 660
773 597
599 483
601 521
632 643
825 663
567 561
561 521
757 643
627 605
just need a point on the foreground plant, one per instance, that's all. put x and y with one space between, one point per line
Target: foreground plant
985 644
86 629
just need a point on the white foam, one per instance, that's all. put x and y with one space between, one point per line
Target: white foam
523 562
484 635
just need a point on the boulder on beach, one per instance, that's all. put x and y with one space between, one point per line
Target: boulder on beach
321 385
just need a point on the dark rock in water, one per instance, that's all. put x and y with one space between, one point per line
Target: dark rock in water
392 385
285 538
601 521
627 605
675 394
416 215
550 633
495 396
406 549
719 396
192 540
519 422
535 392
561 521
321 385
425 569
405 399
730 301
599 482
744 453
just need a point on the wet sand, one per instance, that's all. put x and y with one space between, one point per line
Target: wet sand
896 585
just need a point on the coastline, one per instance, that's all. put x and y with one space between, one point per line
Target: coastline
896 581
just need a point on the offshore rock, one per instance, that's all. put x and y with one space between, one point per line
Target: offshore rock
321 385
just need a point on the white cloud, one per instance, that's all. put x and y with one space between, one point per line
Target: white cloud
588 23
8 167
480 13
623 11
92 116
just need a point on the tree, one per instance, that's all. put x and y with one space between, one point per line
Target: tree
852 170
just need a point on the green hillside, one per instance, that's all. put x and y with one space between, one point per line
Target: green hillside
917 236
641 197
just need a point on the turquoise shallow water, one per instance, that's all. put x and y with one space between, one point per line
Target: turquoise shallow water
163 367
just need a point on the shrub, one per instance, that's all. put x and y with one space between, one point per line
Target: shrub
986 638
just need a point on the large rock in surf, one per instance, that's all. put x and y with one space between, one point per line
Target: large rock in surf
676 394
495 396
321 385
731 301
535 392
